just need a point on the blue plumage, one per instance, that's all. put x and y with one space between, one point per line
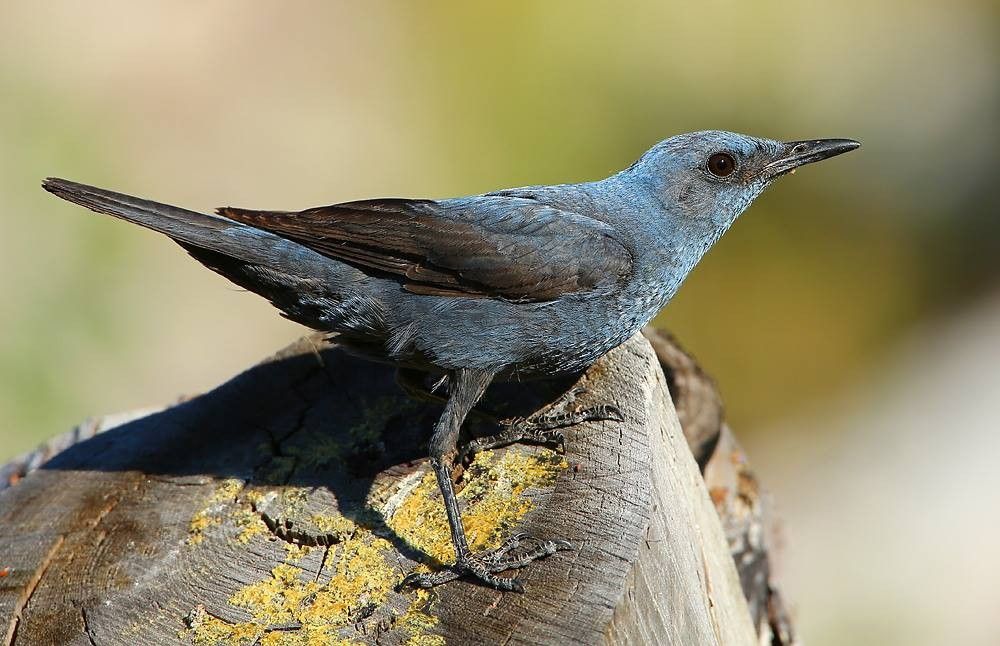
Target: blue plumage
524 282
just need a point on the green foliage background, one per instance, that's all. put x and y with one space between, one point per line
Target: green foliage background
293 105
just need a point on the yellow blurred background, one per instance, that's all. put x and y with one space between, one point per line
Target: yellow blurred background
822 314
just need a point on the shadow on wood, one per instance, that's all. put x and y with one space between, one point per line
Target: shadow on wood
285 506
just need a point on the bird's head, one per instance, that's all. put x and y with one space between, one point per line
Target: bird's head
706 179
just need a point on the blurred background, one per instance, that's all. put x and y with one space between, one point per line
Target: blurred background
852 316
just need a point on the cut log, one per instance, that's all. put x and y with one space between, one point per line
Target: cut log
285 506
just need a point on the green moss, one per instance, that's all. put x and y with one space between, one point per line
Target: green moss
278 469
317 449
375 416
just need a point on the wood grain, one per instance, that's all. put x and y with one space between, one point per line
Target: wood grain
282 507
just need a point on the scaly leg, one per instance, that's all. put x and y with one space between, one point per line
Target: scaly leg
467 386
413 383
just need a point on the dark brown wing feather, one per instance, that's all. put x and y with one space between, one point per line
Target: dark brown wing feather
512 249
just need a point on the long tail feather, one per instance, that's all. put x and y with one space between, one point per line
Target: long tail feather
207 236
182 225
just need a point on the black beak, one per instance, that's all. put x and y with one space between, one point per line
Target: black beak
798 153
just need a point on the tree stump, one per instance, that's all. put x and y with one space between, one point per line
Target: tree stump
285 506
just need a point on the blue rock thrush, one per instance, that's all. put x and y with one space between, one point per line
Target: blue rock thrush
525 282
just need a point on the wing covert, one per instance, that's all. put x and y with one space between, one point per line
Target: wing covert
489 246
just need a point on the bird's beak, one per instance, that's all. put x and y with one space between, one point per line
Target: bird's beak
797 153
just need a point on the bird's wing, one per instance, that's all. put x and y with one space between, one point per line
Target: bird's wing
488 246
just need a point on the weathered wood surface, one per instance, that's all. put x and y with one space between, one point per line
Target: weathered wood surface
284 506
740 501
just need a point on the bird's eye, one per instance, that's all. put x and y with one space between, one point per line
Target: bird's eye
721 164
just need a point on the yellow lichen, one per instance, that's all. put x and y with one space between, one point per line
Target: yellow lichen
295 553
274 600
361 565
425 640
416 621
249 523
227 490
200 522
211 514
361 577
492 494
339 527
304 638
295 498
256 496
328 560
208 630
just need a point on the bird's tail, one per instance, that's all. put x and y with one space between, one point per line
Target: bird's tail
225 246
191 227
195 231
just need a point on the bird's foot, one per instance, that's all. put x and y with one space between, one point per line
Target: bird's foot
543 428
517 551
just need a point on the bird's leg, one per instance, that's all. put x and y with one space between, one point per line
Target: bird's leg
544 427
467 386
413 383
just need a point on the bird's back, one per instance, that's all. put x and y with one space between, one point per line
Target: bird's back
517 280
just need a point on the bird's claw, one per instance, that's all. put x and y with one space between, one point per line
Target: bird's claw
516 552
543 428
604 413
544 422
512 433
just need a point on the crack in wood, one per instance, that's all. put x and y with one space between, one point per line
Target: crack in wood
29 590
86 626
322 562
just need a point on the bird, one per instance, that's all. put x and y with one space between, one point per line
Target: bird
519 283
